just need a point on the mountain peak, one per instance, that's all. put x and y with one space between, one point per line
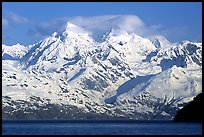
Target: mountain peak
184 41
160 41
114 31
54 34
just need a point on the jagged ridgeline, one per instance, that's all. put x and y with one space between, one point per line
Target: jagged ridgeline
121 76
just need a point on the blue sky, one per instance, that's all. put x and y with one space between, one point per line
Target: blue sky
28 22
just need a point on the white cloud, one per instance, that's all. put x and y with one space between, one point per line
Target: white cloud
98 25
17 18
130 23
13 18
4 22
176 33
9 21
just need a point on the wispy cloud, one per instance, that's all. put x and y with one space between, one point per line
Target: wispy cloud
17 19
34 33
129 23
98 25
4 22
10 18
176 32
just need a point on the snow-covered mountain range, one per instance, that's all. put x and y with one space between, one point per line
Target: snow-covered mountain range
122 76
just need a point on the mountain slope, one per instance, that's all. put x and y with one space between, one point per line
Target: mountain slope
124 76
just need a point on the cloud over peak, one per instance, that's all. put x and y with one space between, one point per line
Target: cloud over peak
97 25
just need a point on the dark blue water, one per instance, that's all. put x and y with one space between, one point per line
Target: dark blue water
101 128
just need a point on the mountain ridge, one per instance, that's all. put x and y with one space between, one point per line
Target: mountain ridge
73 70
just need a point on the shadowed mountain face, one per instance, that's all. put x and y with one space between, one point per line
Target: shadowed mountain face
192 112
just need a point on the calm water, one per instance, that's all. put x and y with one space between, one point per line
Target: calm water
100 128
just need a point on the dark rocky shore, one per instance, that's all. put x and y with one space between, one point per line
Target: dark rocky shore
192 112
